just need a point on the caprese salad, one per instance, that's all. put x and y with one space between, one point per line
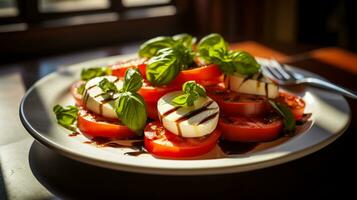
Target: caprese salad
181 97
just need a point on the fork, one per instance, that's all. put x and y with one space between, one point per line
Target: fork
282 76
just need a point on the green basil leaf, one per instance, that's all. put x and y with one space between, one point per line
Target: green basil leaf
193 87
93 72
107 86
192 91
66 116
152 46
181 100
132 81
244 63
214 49
81 88
167 63
163 68
212 45
186 39
289 120
131 110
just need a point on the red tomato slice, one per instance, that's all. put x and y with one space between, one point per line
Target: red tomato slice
151 108
295 103
97 126
74 91
204 75
243 129
153 94
120 68
236 104
162 143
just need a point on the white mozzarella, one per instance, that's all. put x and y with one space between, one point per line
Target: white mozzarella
95 102
188 121
253 85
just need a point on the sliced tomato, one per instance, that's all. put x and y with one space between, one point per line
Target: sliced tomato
97 126
153 94
204 75
243 129
295 103
151 108
236 104
74 91
120 68
162 143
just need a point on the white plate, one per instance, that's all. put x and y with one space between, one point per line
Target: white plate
330 117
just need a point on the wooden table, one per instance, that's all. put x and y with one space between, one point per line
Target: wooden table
31 171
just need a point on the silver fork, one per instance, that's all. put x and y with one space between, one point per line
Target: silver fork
282 76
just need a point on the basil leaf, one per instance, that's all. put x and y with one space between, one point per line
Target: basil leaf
192 91
107 86
211 46
81 88
152 46
163 68
66 116
193 87
181 100
131 110
93 72
186 39
167 63
244 63
214 49
132 81
289 120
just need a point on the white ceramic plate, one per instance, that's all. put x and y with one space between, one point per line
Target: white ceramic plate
330 117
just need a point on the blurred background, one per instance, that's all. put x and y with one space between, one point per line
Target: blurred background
36 28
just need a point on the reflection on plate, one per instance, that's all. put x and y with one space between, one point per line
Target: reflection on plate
37 117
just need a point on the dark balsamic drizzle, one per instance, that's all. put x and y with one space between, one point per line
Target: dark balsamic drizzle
102 103
226 80
179 129
260 76
266 90
194 112
245 79
233 148
73 134
137 145
209 117
171 111
304 119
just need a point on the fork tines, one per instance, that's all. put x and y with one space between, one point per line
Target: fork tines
274 69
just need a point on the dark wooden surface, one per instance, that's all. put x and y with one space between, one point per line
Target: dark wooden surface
320 175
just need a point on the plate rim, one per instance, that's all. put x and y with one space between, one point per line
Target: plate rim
166 171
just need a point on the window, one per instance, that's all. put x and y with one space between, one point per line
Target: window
45 27
8 8
135 3
46 6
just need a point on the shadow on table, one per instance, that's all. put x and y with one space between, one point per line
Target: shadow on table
67 178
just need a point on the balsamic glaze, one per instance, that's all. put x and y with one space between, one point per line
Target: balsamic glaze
73 134
194 112
266 90
227 147
209 117
304 119
169 112
137 146
244 80
231 148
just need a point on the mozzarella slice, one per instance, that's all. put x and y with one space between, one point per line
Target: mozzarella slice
257 85
188 121
95 102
